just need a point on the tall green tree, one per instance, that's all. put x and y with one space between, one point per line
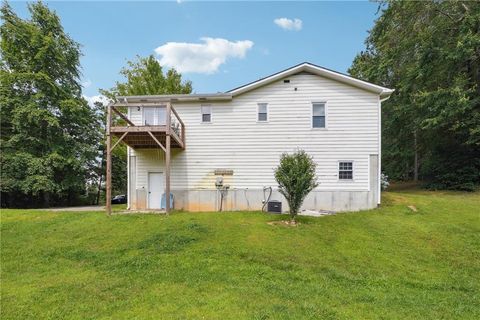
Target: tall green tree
430 53
142 76
49 134
145 76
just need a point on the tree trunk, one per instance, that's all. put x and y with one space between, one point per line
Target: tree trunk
100 179
415 161
99 189
46 199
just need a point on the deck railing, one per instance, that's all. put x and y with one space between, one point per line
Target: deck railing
175 128
176 124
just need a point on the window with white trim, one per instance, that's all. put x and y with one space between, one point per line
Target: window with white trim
318 115
345 170
206 113
262 115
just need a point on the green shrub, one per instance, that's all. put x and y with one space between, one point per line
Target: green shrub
296 178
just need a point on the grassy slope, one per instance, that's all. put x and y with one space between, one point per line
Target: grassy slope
389 263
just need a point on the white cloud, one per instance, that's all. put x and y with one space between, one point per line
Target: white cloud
205 57
289 24
98 98
87 83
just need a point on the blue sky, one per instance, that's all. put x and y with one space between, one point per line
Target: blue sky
217 45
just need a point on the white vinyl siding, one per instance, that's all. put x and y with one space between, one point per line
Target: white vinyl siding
236 142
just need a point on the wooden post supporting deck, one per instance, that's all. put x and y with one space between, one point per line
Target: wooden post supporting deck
139 137
167 160
108 182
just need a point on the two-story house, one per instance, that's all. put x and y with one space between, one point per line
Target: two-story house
220 150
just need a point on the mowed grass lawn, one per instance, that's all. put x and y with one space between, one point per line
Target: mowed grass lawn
390 263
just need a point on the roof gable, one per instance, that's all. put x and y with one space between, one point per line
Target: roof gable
315 70
303 68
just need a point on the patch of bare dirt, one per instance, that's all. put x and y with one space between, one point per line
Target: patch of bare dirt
287 223
413 208
396 198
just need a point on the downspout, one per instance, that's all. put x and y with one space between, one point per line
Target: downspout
379 190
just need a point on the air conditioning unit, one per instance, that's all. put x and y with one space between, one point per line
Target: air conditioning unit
274 206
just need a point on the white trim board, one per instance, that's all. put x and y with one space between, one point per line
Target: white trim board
317 70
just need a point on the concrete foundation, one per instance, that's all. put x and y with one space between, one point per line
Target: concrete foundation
249 199
196 200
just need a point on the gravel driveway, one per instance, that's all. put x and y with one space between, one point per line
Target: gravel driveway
84 208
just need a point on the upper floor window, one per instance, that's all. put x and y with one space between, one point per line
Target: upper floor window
345 170
206 113
262 112
318 115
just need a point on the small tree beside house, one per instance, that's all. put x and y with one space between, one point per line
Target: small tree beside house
296 178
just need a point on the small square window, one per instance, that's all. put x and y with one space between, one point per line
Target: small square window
345 170
318 115
206 114
262 112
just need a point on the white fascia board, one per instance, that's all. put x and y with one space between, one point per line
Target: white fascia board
308 67
174 98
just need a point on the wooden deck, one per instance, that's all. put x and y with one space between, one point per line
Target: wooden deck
165 137
140 137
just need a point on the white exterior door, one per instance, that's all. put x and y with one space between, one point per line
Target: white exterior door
154 116
155 189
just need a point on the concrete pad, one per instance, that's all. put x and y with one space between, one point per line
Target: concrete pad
314 213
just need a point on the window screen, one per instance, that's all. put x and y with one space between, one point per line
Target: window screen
345 170
262 112
318 115
206 114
